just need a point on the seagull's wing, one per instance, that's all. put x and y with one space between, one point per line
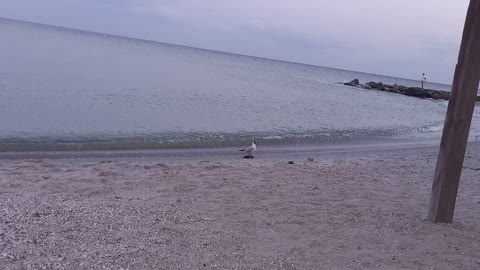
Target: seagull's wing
249 149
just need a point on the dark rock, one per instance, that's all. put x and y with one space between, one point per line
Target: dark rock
410 91
404 90
354 82
290 162
391 90
373 84
415 92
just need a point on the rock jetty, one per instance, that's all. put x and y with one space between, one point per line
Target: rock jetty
404 90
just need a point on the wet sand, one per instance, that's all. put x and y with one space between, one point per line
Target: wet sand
361 209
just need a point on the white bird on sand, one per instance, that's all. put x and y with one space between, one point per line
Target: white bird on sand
249 150
476 135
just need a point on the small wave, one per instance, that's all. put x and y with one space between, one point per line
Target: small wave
274 137
199 140
428 129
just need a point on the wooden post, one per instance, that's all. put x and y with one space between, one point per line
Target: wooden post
458 120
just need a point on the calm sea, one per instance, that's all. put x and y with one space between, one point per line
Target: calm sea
69 89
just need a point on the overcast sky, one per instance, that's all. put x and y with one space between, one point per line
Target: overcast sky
400 38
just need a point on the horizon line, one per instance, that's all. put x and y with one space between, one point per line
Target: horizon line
200 48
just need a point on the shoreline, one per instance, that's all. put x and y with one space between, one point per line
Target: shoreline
263 152
354 208
207 140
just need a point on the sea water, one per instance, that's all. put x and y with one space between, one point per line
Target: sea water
81 90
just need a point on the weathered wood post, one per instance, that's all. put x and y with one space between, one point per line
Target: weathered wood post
458 120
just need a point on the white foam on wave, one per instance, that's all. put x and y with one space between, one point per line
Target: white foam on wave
436 128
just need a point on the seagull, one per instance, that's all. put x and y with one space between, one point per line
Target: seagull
249 150
476 135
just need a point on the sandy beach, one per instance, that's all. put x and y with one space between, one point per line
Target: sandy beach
343 210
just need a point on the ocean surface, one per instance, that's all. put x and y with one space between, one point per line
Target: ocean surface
69 89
